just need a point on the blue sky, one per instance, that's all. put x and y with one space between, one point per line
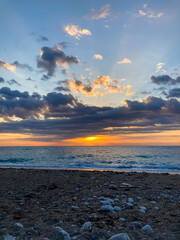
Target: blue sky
111 49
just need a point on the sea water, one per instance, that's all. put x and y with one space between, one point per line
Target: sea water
106 158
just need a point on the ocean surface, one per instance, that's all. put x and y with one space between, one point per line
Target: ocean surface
108 158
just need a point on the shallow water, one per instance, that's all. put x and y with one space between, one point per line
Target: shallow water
109 158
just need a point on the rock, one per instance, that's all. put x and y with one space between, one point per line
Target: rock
121 236
9 237
143 209
153 202
130 200
125 185
117 209
147 228
61 235
156 208
106 208
74 207
19 225
106 202
87 225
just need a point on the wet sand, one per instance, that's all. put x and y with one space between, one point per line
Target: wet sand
38 204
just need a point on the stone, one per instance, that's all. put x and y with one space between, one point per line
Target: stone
106 208
147 228
121 236
61 235
19 225
117 209
74 207
87 225
130 200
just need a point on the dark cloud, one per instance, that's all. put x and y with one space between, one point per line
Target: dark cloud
2 80
175 92
165 80
59 89
150 104
13 81
51 57
56 99
29 79
45 77
43 39
22 66
63 116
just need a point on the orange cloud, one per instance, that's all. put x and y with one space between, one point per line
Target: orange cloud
98 56
105 84
125 60
75 31
7 66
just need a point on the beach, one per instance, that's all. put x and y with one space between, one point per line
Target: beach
76 204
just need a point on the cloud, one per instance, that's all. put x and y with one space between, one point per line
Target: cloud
159 67
175 92
125 60
22 66
62 116
2 80
7 66
75 31
13 81
100 86
10 94
165 80
52 57
149 13
60 89
98 56
43 39
99 14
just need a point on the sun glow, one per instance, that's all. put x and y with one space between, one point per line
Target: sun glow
90 138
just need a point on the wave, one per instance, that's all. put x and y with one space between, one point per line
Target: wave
14 160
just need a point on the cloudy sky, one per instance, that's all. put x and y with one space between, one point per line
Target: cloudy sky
89 72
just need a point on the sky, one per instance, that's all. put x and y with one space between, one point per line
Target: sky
76 73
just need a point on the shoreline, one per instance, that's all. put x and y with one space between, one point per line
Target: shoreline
93 169
37 204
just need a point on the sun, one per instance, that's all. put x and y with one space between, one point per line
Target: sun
90 138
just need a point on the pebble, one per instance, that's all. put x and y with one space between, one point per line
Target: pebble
74 207
87 225
106 202
143 209
117 209
61 235
121 236
126 185
130 200
106 208
19 225
147 228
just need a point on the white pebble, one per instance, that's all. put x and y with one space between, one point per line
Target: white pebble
19 225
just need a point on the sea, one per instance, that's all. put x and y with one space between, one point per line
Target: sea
132 158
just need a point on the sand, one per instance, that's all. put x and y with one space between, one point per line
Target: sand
38 204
